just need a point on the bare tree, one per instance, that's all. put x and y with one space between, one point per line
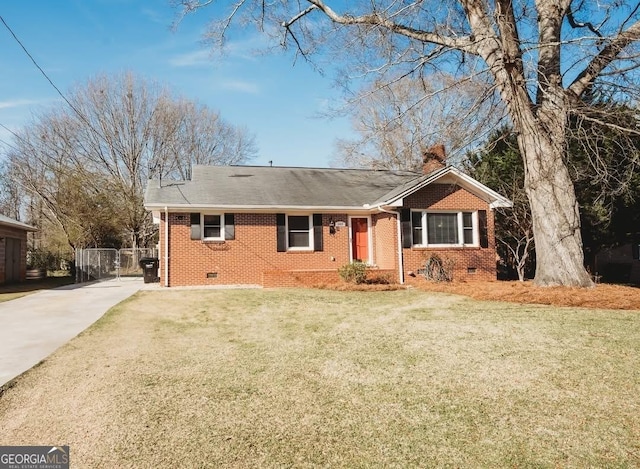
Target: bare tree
542 57
10 194
89 164
396 122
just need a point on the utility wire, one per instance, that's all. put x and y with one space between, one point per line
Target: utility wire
7 144
36 153
10 131
78 113
40 68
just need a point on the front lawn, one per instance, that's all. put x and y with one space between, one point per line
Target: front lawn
308 378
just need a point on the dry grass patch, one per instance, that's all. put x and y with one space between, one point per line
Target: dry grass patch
306 378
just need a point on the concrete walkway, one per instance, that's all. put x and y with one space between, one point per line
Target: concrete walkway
34 326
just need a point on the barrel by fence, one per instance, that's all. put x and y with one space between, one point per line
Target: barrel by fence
36 274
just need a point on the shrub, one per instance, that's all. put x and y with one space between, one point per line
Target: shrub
355 272
380 279
437 270
42 259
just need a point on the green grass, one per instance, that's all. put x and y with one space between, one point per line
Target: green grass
16 290
306 378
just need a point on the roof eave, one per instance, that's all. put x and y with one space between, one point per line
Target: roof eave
501 204
18 225
255 208
494 199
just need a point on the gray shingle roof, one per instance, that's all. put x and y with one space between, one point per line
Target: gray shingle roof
260 187
255 186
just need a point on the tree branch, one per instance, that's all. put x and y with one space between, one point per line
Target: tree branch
587 24
466 44
601 61
306 11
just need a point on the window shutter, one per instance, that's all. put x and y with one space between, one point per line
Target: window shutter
282 232
482 225
229 226
405 223
196 233
317 232
635 250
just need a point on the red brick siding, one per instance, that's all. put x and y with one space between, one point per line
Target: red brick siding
247 258
452 197
8 232
385 242
252 257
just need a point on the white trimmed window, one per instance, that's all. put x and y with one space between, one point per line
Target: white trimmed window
444 228
212 227
299 232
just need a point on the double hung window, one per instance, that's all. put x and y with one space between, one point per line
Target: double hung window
212 227
299 232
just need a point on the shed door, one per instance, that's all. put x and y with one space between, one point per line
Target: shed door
12 260
360 239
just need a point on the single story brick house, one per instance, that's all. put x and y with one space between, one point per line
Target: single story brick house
281 226
13 250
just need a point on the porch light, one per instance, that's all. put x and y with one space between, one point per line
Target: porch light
332 226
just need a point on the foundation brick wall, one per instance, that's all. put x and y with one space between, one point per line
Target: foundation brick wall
8 232
452 197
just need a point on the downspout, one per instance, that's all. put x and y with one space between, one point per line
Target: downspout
399 236
166 246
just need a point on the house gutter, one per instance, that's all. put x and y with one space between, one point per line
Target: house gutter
399 236
166 246
260 208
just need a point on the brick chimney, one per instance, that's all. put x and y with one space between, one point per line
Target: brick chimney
433 158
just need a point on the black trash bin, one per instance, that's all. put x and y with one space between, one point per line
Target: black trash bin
150 269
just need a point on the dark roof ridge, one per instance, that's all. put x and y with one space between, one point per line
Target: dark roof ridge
308 167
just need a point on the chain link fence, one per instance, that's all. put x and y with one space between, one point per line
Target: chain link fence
107 263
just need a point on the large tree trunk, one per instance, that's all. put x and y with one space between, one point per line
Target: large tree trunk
541 128
554 208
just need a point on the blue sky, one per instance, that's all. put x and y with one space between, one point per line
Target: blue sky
75 40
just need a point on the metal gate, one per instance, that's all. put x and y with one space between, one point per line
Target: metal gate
107 263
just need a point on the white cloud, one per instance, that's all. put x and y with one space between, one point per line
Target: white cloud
242 86
191 59
17 103
247 49
154 16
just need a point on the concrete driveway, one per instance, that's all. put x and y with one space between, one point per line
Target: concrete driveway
34 326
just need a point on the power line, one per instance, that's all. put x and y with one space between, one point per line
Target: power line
4 142
37 155
10 131
40 68
78 113
7 144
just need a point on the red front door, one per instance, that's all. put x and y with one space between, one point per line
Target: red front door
360 239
